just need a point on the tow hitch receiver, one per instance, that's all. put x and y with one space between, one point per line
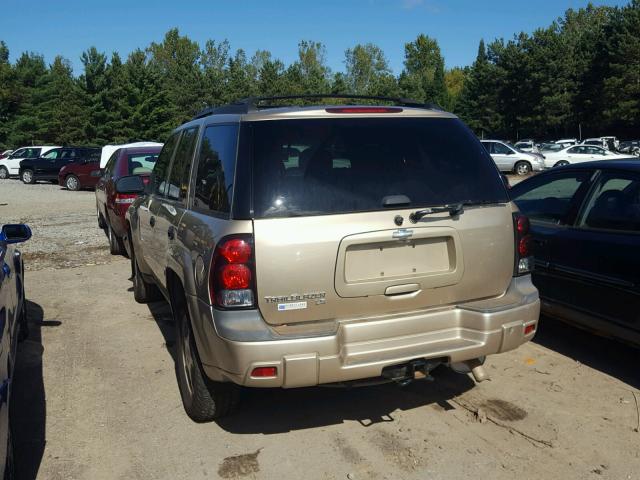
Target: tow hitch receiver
419 369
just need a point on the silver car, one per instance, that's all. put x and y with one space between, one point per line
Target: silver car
509 159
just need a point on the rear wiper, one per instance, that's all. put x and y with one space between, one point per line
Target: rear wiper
453 210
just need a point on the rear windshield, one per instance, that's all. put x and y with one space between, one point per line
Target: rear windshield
328 166
141 163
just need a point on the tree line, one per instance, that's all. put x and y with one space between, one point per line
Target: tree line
580 74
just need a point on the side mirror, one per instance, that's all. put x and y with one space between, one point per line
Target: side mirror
15 233
130 184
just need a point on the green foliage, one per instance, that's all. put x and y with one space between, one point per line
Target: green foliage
582 71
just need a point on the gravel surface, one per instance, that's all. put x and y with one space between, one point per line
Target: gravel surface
95 394
64 224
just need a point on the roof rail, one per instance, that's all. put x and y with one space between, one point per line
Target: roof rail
252 104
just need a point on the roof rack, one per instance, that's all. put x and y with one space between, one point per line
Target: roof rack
253 104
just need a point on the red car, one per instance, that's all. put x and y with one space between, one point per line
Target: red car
82 174
112 206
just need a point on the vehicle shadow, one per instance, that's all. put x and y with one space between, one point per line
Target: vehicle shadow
274 410
28 401
607 355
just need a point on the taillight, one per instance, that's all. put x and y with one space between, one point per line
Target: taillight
232 273
523 254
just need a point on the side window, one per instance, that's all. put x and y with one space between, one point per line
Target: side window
488 146
161 168
615 204
574 150
216 168
18 153
179 176
549 198
501 149
52 154
108 168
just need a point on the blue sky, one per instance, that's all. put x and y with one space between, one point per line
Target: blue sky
68 27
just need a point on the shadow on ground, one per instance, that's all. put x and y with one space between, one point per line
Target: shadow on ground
271 411
28 401
606 355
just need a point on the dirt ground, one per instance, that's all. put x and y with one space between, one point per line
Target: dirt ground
95 393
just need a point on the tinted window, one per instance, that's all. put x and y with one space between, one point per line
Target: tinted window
548 198
216 166
52 154
615 205
32 152
161 168
500 149
179 176
141 163
350 165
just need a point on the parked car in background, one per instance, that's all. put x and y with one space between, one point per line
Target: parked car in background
48 165
108 150
328 262
550 147
630 147
567 142
509 159
81 174
585 222
13 327
5 154
111 205
10 166
608 143
528 146
579 153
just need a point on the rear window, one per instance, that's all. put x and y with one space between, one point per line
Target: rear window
141 163
329 166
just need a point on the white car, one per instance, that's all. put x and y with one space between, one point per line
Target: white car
609 143
509 159
567 142
579 153
10 166
528 146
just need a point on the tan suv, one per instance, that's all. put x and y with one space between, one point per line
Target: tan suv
309 245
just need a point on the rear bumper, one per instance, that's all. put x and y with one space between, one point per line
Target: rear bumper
361 348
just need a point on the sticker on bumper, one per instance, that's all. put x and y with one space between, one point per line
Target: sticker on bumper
291 306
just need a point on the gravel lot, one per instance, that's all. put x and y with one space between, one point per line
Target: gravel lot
95 393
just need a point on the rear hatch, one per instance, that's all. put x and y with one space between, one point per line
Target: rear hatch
332 200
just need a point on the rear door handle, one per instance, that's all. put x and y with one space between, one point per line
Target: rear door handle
152 221
171 233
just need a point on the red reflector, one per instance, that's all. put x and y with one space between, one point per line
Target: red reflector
522 224
524 246
264 372
236 250
529 328
363 110
235 276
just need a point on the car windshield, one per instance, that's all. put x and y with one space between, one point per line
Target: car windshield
327 166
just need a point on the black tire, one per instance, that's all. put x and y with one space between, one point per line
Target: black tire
561 163
101 223
115 244
203 399
143 291
72 183
4 173
522 168
28 177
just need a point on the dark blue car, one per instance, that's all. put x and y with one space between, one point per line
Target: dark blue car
585 222
13 326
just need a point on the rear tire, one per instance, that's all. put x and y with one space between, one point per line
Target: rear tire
561 163
4 173
101 223
143 291
28 177
115 244
72 183
203 399
522 168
